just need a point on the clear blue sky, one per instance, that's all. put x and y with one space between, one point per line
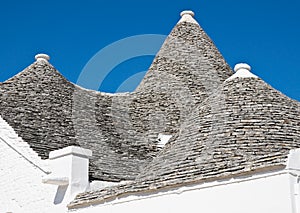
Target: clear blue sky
263 33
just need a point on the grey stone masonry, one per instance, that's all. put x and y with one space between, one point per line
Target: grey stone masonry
50 113
220 127
244 127
36 104
186 70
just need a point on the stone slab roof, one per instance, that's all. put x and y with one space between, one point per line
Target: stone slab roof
246 126
50 113
220 126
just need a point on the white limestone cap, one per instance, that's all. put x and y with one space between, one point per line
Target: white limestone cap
187 12
242 70
42 56
187 16
70 150
240 66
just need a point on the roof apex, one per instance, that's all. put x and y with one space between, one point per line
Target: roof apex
187 16
42 56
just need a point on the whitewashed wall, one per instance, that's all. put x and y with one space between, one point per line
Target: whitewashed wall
21 172
257 194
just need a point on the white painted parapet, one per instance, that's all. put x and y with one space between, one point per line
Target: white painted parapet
69 170
293 161
293 166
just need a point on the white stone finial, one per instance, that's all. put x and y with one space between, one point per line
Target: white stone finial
240 66
187 12
187 16
242 70
42 56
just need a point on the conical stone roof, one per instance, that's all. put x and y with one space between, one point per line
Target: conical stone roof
50 113
245 126
185 71
188 58
35 100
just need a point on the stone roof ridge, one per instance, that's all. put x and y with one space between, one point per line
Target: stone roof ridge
95 92
40 61
43 60
243 72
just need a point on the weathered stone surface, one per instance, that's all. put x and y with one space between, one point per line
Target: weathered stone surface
245 126
220 128
49 112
